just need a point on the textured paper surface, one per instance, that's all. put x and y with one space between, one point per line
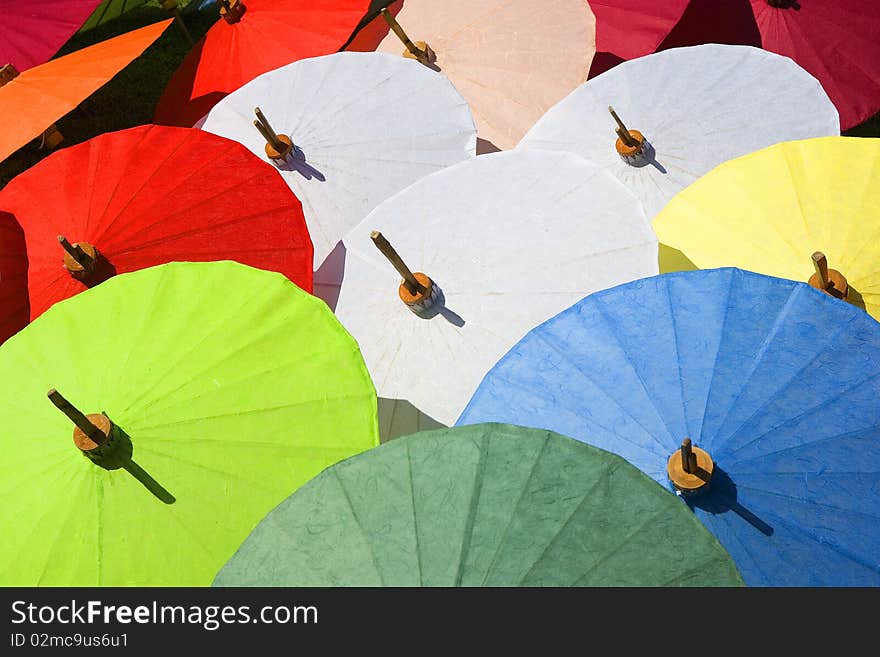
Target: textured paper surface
777 381
271 33
511 59
484 505
511 239
150 195
697 107
40 96
770 211
368 125
235 387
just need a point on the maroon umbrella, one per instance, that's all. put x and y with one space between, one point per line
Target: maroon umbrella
31 32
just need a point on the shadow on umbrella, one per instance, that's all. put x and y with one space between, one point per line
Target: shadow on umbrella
648 156
121 457
439 308
855 298
603 61
729 22
328 277
13 277
670 259
398 417
297 162
721 497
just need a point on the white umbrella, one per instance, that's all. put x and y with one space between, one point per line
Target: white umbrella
364 126
509 239
695 107
511 59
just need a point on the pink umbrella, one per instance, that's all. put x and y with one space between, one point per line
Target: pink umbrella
836 41
32 31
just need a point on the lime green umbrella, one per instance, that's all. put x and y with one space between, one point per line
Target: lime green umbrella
481 505
227 388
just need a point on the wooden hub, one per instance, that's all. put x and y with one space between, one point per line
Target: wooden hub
51 137
86 444
7 72
424 293
429 58
274 153
74 267
837 285
690 482
234 13
630 151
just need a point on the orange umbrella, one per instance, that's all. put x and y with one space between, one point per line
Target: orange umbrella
31 101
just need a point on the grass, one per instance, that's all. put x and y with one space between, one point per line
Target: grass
131 96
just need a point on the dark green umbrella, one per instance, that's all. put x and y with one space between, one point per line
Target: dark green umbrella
481 505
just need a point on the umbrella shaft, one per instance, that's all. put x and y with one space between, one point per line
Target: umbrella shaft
398 30
75 416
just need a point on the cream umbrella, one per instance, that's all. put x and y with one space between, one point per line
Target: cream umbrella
511 59
347 131
688 110
505 241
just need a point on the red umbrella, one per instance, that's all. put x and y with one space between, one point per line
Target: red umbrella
837 41
150 195
253 37
13 277
31 31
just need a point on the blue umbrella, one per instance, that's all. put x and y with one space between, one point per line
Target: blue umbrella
774 385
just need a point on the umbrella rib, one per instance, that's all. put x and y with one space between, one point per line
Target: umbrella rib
626 539
632 365
687 427
153 173
755 562
805 413
239 412
515 508
795 529
412 498
357 520
761 351
848 434
852 511
476 495
602 478
539 336
718 352
696 569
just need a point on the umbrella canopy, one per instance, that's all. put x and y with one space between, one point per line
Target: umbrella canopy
771 211
110 9
627 29
227 388
492 50
773 384
149 195
837 41
484 505
253 37
505 241
13 277
31 32
687 110
359 128
32 101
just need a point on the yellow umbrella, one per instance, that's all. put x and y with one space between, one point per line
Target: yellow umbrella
807 210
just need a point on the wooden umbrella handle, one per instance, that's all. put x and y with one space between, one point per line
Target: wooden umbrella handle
410 281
